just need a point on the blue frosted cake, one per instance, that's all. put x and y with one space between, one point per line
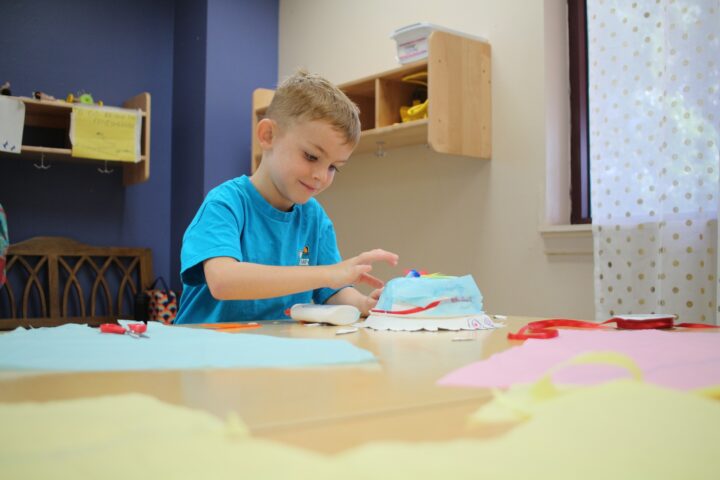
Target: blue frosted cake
430 296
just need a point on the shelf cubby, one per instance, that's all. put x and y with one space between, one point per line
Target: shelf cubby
460 104
46 135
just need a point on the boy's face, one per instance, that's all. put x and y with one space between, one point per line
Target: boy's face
302 161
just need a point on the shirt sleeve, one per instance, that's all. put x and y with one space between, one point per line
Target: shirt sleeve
328 254
214 232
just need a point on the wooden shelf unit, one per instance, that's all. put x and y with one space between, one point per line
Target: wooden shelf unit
47 127
460 109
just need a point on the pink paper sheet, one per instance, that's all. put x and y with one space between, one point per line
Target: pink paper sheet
681 360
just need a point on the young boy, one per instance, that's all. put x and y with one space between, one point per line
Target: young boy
261 244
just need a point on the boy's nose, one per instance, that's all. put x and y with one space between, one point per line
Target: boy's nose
320 174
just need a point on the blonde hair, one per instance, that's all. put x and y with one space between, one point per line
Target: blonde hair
306 97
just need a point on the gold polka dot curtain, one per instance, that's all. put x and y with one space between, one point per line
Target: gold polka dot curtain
654 89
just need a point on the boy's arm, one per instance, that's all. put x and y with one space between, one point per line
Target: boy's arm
229 279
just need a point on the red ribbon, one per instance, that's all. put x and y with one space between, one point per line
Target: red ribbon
544 329
409 311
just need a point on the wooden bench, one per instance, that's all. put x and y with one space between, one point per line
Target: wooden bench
56 280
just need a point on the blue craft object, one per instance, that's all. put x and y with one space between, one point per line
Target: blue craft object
81 348
432 295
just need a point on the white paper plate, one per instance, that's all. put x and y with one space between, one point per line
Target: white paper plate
411 324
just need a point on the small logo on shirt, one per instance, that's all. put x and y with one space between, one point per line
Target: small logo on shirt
304 256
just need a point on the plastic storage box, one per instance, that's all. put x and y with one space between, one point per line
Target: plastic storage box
412 40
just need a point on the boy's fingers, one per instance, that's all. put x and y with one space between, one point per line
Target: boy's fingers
371 303
360 270
370 280
378 255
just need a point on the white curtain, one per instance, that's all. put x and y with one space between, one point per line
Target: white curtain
654 133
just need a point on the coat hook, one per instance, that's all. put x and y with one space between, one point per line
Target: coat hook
380 152
105 169
42 165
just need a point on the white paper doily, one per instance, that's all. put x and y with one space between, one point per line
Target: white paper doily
410 324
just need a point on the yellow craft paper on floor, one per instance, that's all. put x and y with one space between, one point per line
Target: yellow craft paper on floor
623 429
105 133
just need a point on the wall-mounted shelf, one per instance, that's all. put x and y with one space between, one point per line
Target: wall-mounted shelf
459 93
46 135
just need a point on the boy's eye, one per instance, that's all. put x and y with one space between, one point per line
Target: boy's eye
310 157
334 168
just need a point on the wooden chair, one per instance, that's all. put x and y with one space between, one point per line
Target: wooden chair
56 280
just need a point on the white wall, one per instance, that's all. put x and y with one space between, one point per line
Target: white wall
452 214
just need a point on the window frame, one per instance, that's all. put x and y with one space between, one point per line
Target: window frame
580 212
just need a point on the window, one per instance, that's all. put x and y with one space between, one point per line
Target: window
579 136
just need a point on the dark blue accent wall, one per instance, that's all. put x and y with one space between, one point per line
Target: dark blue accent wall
242 56
188 137
211 132
199 60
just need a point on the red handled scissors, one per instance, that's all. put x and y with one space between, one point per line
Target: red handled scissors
135 330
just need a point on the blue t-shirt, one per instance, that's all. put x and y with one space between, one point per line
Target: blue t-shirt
236 221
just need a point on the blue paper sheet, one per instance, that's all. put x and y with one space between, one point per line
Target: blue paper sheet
81 348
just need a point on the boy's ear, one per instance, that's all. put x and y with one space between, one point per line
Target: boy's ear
265 132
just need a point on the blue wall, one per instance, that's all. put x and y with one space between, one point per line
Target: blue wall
116 50
240 55
188 137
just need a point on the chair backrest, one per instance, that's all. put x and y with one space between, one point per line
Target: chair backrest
56 280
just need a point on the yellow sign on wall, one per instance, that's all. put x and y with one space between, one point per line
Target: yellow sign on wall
105 133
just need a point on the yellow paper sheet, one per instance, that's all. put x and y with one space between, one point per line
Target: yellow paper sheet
520 402
623 429
105 133
523 401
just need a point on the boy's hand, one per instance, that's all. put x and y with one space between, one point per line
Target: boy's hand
356 269
351 296
372 300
